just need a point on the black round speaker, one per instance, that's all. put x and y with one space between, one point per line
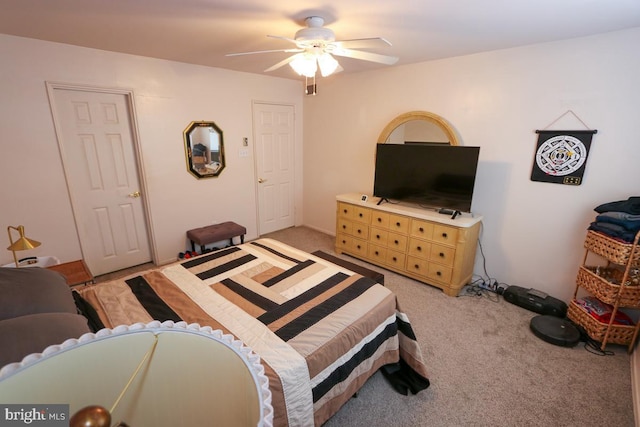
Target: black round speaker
555 330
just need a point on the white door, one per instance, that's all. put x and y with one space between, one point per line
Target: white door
95 137
274 131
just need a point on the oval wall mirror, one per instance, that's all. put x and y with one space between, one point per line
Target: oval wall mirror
204 148
418 127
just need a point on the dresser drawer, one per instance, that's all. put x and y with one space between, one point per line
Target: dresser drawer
399 224
421 229
439 272
377 253
378 236
345 226
395 259
358 247
345 210
442 254
343 241
445 234
362 215
380 219
419 248
417 266
360 230
397 242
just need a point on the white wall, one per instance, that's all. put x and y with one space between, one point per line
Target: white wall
168 96
532 232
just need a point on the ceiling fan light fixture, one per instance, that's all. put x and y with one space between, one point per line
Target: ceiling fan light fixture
304 64
327 63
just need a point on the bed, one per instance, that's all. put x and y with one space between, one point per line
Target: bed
320 330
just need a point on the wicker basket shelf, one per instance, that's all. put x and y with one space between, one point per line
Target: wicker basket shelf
617 284
618 334
605 286
613 250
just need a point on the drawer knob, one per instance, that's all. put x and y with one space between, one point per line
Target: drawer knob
344 210
344 242
358 246
397 224
378 236
441 255
421 230
377 253
379 219
438 273
359 231
344 227
419 248
396 242
417 267
395 259
360 214
444 235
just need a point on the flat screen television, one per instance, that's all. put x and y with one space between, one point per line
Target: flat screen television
431 175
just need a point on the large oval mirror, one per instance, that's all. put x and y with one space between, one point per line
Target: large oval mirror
418 127
204 149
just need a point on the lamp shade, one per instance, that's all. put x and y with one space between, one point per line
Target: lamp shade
327 63
23 243
304 64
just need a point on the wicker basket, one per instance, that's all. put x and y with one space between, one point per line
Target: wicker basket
602 286
611 249
618 334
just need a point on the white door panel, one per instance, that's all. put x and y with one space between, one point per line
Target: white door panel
274 133
101 169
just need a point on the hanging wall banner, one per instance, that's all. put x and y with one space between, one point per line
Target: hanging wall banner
561 156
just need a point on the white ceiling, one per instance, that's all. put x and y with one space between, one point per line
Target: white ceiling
203 31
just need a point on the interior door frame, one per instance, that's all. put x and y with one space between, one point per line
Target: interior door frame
135 138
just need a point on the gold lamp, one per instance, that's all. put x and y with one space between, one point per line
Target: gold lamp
22 244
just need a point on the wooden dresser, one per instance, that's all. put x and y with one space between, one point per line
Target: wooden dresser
418 243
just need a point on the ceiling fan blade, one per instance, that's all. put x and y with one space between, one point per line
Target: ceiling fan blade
366 56
369 43
281 63
284 38
265 51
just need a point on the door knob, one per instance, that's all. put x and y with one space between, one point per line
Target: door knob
135 194
261 180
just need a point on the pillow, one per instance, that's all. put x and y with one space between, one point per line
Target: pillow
32 290
33 333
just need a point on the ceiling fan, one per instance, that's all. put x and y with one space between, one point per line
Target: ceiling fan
316 45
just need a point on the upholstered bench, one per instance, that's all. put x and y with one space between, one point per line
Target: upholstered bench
215 233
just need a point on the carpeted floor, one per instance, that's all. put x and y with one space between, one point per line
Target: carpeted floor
486 367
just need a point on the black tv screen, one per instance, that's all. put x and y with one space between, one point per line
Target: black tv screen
431 175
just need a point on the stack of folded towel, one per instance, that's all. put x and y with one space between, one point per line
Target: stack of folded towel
620 220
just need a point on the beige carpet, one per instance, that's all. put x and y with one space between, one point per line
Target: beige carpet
486 367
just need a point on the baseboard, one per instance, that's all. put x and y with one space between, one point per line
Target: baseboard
329 232
635 385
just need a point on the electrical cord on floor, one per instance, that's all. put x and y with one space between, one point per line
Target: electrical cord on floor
591 345
474 290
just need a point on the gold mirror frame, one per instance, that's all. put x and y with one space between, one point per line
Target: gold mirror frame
419 115
210 162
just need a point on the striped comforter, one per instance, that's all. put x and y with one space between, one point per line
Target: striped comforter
320 330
